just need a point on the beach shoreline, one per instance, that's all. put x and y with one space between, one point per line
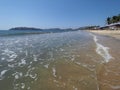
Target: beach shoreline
111 33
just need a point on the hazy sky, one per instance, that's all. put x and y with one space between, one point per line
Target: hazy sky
56 13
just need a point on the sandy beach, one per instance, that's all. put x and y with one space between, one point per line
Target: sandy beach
107 77
112 33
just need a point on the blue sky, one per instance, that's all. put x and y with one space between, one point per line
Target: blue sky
56 13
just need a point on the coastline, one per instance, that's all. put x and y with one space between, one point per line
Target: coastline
111 33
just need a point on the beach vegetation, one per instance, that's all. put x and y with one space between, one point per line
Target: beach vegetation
113 19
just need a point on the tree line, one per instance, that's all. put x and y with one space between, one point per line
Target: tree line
113 19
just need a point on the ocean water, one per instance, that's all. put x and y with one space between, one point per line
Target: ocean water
18 32
58 61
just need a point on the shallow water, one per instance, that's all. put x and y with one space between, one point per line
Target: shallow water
56 61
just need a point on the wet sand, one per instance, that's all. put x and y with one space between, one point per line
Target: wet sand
109 73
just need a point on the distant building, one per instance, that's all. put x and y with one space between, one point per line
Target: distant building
89 28
114 26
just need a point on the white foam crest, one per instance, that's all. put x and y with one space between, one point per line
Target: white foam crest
10 60
35 58
17 75
22 85
3 58
33 76
2 74
17 41
102 50
11 54
23 62
73 58
46 66
11 65
61 49
26 53
54 72
19 86
7 52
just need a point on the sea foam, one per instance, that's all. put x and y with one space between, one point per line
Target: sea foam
2 74
102 50
54 72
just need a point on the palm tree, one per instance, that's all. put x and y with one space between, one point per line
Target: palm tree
108 20
119 18
115 19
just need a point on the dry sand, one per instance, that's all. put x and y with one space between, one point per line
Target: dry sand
112 33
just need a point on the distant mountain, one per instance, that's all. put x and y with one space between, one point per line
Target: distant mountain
25 28
50 30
